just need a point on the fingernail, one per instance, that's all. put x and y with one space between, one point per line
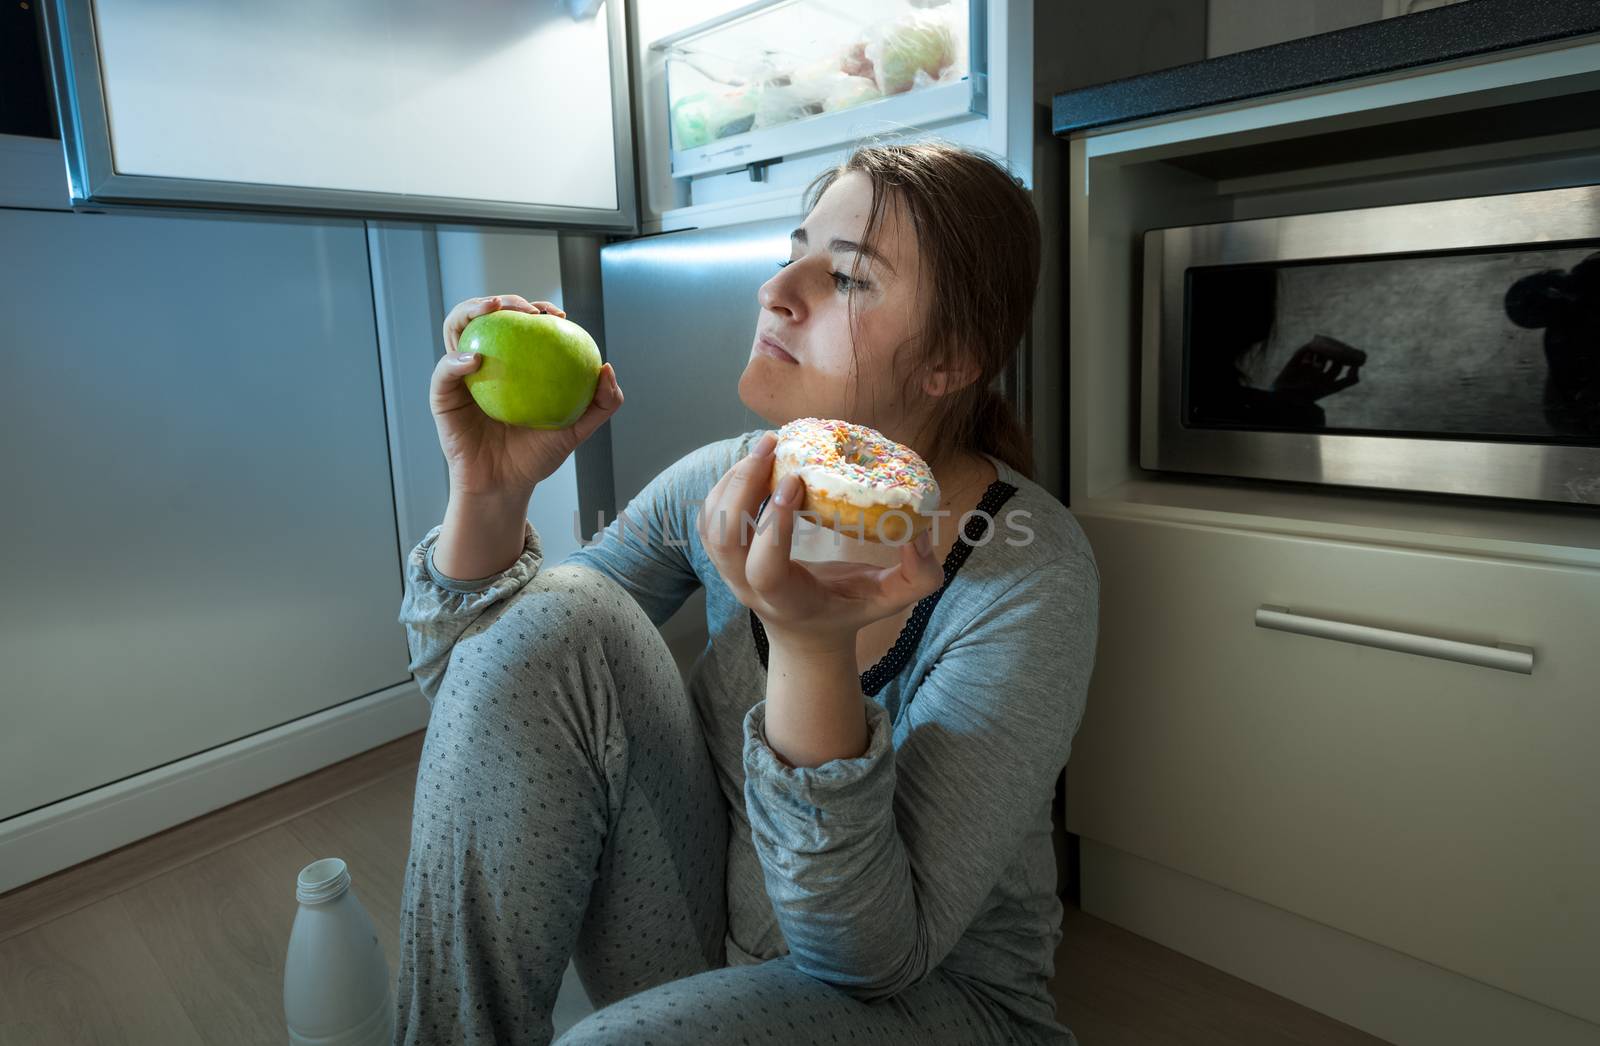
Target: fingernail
764 445
788 489
924 543
466 357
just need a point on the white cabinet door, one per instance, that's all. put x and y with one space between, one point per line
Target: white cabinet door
1445 810
501 110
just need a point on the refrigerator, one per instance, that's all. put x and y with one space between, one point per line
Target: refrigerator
680 314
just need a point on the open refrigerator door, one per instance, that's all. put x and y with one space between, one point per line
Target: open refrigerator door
773 78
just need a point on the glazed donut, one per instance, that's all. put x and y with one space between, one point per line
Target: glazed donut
857 481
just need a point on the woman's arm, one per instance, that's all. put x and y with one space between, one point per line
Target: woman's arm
877 865
813 616
814 707
481 536
645 549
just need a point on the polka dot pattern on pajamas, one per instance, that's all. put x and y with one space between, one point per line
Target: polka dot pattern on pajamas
566 808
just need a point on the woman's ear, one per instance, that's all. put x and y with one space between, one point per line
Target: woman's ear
942 381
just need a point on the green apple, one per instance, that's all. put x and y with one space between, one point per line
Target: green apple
538 371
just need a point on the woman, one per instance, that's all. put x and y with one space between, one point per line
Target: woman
841 831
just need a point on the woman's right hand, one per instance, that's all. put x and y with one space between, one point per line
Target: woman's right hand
489 457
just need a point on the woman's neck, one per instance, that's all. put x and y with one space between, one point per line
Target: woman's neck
963 478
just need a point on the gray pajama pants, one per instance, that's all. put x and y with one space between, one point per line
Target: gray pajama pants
567 808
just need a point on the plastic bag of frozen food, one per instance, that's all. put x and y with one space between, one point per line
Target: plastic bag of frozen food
850 90
820 86
689 127
730 112
778 103
705 116
922 42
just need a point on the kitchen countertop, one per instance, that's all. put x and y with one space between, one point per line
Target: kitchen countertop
1438 35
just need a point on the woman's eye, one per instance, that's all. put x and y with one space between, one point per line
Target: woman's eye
840 280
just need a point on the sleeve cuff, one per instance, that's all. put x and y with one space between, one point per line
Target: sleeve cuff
792 801
532 555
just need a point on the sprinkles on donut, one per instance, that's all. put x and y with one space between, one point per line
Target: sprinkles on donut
857 480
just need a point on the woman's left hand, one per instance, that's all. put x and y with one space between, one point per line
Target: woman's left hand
818 606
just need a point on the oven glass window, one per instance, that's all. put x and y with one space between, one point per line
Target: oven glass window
1502 346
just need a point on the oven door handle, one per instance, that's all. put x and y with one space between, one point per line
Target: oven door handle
1505 656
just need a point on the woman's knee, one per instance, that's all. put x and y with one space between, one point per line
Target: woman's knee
554 666
561 627
543 637
591 611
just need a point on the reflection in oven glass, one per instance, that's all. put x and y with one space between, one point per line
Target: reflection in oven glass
1502 345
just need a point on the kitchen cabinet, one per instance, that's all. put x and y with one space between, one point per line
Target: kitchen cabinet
1406 843
1443 809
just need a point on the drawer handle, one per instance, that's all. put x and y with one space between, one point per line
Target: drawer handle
1507 657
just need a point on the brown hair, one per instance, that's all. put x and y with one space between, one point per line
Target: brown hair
978 234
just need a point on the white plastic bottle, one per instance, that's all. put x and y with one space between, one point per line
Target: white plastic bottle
336 986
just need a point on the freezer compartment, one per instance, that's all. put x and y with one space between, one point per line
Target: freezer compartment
784 76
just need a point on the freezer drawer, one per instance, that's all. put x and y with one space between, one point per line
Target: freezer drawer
1441 808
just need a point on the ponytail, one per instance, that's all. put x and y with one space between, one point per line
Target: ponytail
978 419
997 431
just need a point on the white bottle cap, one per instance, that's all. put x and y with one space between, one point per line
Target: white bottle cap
322 880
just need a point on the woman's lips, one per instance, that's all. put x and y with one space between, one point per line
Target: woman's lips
767 347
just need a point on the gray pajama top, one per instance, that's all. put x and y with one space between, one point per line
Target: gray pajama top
934 848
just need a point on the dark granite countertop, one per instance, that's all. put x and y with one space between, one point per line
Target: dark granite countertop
1437 35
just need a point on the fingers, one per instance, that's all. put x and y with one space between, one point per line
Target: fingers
521 304
464 313
447 389
750 481
1341 374
1333 368
736 496
768 566
467 311
1337 349
607 400
917 576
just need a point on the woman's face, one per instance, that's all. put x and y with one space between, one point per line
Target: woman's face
805 308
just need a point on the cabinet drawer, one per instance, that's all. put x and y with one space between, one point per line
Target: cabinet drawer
1446 810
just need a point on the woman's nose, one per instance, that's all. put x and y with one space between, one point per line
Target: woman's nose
779 294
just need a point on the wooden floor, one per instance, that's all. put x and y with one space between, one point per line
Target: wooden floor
180 938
